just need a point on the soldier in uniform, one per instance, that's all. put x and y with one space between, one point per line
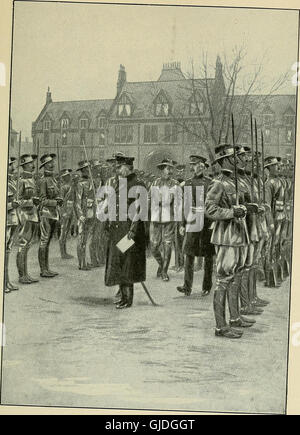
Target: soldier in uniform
66 210
11 222
85 207
50 200
275 202
28 215
97 246
125 269
178 244
197 243
230 237
163 224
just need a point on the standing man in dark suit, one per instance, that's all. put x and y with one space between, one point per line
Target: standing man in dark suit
197 243
125 269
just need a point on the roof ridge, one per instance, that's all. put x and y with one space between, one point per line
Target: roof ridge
81 101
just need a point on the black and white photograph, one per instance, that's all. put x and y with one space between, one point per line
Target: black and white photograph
149 207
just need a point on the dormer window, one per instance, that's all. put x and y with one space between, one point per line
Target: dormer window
196 107
124 106
102 123
47 125
289 119
161 106
84 123
65 123
268 118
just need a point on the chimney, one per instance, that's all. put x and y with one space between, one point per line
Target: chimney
121 79
48 97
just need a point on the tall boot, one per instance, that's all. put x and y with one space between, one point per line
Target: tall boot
233 291
43 263
207 277
166 261
244 289
23 279
47 261
157 255
8 285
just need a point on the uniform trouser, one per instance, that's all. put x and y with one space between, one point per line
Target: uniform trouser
248 274
65 225
189 272
230 261
85 232
47 227
97 246
162 236
10 236
178 244
27 233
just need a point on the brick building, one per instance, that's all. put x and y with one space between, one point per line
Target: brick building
148 120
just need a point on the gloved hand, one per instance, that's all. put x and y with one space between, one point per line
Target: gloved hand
239 211
252 208
130 235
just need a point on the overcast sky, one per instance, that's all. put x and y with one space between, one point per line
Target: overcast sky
76 49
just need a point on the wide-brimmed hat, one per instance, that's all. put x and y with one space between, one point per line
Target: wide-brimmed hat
243 150
11 160
166 162
27 158
271 160
180 167
82 164
223 150
46 158
65 172
196 159
118 154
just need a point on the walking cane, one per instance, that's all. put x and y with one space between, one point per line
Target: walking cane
148 294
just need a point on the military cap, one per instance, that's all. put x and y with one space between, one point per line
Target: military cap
124 160
196 159
166 162
111 160
180 167
223 150
82 164
118 154
11 160
269 161
243 150
95 163
46 158
65 172
27 158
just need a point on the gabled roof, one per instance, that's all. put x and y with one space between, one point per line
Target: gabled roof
74 110
143 95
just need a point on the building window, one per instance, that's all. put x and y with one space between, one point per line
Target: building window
82 137
289 135
123 134
124 106
150 134
102 123
193 133
64 138
64 156
47 125
161 106
170 135
65 123
84 123
289 120
196 107
267 135
268 119
46 137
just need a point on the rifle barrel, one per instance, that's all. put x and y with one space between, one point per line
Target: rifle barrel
252 154
235 163
257 163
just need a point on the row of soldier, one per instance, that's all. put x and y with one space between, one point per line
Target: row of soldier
248 239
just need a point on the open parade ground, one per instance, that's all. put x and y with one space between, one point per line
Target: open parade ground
67 345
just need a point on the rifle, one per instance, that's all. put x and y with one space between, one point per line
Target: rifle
235 163
263 166
58 166
19 155
89 168
252 154
257 163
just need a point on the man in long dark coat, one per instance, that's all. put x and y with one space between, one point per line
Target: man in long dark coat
125 269
197 243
